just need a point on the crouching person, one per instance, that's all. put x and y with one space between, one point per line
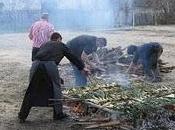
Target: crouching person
147 55
44 78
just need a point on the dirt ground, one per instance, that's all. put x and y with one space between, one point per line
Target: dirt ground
15 61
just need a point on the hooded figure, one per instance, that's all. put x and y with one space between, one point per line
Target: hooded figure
44 81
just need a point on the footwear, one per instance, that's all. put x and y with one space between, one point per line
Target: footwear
21 120
172 117
60 116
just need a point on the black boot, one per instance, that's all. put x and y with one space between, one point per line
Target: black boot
60 116
21 120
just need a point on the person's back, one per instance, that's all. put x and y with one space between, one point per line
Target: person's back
51 51
55 51
40 33
81 43
147 50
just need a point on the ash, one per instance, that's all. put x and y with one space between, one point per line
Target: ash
161 120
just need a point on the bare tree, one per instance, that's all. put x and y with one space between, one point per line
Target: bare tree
165 9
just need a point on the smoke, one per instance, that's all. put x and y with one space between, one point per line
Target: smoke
80 13
115 74
17 15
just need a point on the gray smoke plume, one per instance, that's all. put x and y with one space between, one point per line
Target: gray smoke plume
18 15
80 13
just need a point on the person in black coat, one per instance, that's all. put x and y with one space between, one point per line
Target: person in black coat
44 81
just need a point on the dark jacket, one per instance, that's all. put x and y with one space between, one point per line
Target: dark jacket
82 43
54 51
40 87
147 53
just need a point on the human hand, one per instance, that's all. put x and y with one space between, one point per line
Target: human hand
86 71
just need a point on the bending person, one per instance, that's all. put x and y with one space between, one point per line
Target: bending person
44 78
147 55
82 46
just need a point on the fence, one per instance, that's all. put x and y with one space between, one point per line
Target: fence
17 20
138 16
21 20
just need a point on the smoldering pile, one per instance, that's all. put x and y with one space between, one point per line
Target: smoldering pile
143 105
110 71
114 67
116 56
115 64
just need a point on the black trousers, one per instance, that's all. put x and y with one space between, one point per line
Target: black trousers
34 52
36 96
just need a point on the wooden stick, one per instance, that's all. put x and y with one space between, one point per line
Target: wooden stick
84 123
96 120
122 65
113 123
115 114
86 101
63 99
